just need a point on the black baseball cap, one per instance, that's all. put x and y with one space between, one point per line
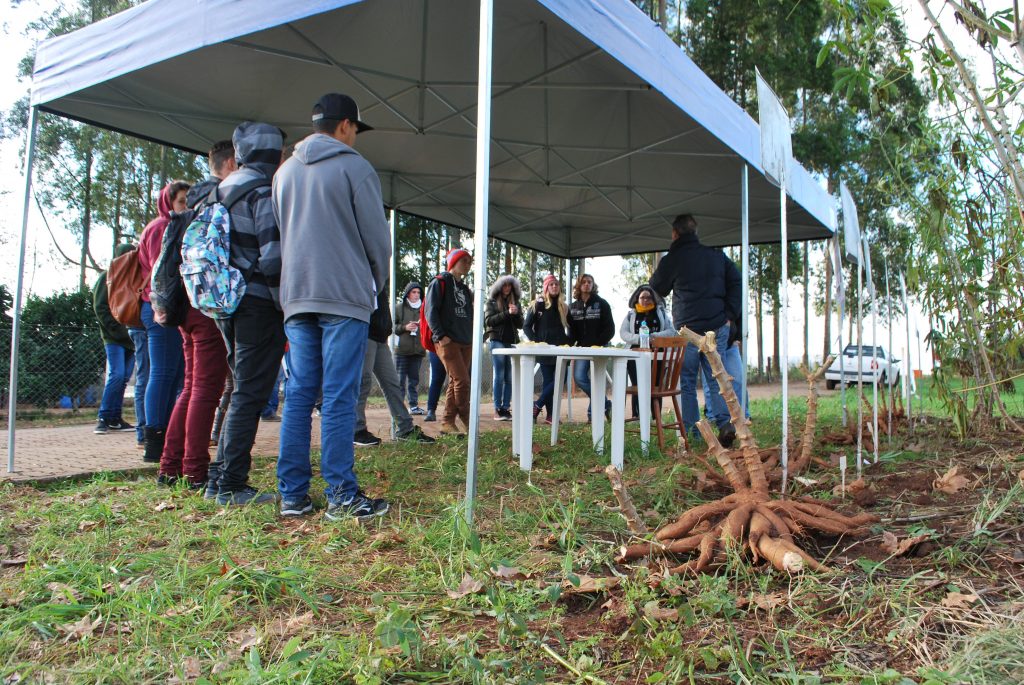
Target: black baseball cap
339 107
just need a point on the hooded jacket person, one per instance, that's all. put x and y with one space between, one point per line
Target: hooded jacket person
409 344
335 238
449 313
654 315
499 325
119 350
255 332
255 237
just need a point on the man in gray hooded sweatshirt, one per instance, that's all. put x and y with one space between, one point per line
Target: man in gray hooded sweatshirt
335 256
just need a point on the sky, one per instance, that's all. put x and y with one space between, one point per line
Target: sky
46 271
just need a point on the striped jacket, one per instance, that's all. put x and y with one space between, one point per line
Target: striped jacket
255 238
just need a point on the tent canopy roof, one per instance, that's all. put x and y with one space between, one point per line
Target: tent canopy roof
602 129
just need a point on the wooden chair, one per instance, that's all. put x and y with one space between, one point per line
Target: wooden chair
666 367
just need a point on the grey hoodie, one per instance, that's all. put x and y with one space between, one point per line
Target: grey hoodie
335 241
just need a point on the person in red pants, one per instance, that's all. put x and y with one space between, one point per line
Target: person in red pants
187 443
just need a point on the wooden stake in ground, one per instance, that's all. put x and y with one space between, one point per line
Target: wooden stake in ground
633 521
750 518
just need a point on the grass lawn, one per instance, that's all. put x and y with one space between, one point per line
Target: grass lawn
120 581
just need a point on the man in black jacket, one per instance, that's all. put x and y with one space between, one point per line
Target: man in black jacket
590 325
705 287
449 314
377 362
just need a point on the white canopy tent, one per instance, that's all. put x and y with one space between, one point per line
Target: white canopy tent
602 128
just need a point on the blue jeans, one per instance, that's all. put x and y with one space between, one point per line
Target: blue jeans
502 376
581 374
733 363
324 351
693 363
119 367
141 342
547 388
166 369
437 376
275 395
408 368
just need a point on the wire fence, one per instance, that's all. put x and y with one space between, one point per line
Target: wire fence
59 367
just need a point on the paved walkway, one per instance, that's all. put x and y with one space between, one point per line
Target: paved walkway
48 454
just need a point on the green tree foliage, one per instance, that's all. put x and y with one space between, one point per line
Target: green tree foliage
88 176
61 352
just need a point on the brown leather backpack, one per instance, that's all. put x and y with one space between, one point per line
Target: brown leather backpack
125 282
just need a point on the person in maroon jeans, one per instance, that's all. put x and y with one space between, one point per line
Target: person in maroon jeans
187 442
186 450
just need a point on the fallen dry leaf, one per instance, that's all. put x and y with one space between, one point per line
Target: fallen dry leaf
87 525
61 593
590 584
769 601
165 505
896 547
1020 476
806 482
13 561
596 469
468 586
616 607
957 600
950 482
852 488
81 629
245 639
293 625
508 573
190 671
655 612
544 541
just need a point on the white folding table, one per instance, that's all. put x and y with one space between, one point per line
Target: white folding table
524 357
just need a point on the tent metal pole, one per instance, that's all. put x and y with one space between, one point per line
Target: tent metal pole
745 273
393 276
393 295
483 177
784 337
860 364
12 400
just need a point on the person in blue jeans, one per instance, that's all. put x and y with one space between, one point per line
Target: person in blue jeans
547 321
733 363
438 374
705 287
141 343
590 325
119 349
335 258
503 317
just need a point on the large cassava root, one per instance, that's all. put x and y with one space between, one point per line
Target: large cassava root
749 519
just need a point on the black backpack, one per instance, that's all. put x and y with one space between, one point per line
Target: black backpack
167 290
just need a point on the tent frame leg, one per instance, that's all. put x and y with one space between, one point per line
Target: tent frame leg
483 177
12 400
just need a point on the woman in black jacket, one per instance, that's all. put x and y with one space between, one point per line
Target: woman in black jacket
547 321
503 317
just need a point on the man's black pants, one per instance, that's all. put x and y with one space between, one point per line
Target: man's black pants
255 341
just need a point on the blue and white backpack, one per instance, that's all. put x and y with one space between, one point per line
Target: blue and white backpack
214 287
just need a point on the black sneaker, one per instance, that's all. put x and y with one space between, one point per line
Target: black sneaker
365 438
243 496
417 435
120 425
102 428
296 507
430 416
359 506
166 481
506 415
727 435
211 491
196 486
272 417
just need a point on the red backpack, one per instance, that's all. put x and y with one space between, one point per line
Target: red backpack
427 335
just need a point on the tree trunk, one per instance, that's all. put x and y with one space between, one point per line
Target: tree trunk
760 336
86 215
533 275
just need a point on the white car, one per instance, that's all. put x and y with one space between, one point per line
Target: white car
880 368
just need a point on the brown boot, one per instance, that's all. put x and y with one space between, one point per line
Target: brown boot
451 429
